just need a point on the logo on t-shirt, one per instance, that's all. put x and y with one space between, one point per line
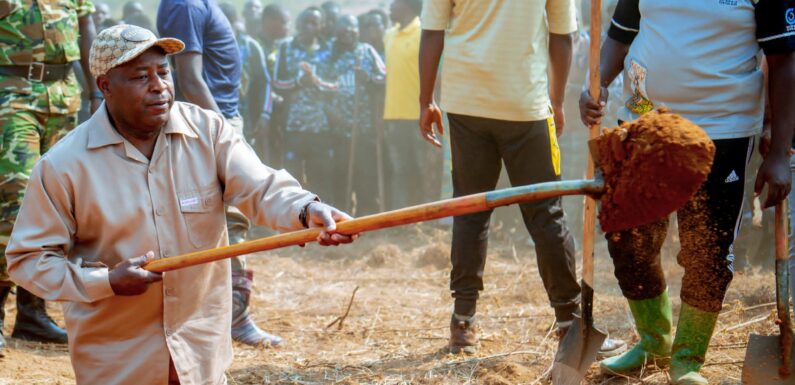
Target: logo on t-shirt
732 3
790 16
732 177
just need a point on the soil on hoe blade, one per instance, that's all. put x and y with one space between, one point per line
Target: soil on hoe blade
652 166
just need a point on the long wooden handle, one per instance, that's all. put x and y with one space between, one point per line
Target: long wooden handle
589 213
781 231
450 207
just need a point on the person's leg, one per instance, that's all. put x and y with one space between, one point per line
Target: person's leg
29 135
708 224
19 139
476 168
322 165
365 179
531 155
294 161
339 181
406 163
244 329
636 261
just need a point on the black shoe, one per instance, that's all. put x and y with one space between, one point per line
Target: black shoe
33 323
4 290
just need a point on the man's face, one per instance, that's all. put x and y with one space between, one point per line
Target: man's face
372 29
310 24
330 15
347 30
252 11
139 94
397 11
253 8
276 27
102 13
132 8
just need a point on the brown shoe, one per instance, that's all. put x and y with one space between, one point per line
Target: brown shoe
463 335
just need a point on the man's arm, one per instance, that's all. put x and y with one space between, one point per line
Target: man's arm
87 34
772 34
431 48
775 169
560 52
611 63
44 230
624 26
189 67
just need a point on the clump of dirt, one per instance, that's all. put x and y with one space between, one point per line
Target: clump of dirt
382 254
505 373
494 379
651 166
436 255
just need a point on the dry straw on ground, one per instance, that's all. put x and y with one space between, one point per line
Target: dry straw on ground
397 325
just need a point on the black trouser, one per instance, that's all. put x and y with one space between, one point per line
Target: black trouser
479 145
708 223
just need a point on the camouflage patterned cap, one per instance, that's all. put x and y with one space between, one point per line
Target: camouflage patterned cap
121 43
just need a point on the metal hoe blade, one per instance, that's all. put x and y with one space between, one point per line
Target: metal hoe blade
763 361
579 347
768 359
577 352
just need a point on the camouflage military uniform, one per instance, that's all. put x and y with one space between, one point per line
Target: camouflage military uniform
33 114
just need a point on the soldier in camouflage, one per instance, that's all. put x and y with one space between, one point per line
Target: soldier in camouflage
39 100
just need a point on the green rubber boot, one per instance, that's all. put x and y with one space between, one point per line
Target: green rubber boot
653 321
693 332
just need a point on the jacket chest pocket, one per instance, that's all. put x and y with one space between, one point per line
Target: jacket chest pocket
203 212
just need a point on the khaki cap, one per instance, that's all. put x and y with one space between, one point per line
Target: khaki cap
121 43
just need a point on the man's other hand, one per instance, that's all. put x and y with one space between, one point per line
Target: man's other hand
591 112
322 215
559 116
775 173
431 116
129 278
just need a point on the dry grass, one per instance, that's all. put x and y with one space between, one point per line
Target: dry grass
397 326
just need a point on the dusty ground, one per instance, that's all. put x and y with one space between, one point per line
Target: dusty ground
397 325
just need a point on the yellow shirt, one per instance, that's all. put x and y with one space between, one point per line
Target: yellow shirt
496 54
402 50
94 200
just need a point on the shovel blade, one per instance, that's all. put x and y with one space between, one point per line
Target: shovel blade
763 361
576 353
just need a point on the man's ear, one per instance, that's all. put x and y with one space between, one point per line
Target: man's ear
103 85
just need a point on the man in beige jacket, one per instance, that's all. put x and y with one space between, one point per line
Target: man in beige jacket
147 178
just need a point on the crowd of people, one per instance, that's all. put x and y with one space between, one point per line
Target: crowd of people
193 117
318 102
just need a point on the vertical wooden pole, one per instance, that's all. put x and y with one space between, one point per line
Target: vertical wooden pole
589 220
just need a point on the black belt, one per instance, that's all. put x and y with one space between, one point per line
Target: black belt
38 72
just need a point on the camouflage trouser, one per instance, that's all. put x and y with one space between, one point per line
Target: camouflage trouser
24 136
237 224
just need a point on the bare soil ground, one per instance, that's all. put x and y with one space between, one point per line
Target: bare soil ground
397 327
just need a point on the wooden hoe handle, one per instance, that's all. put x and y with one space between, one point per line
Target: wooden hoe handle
450 207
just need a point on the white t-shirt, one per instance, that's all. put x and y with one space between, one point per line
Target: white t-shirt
701 59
